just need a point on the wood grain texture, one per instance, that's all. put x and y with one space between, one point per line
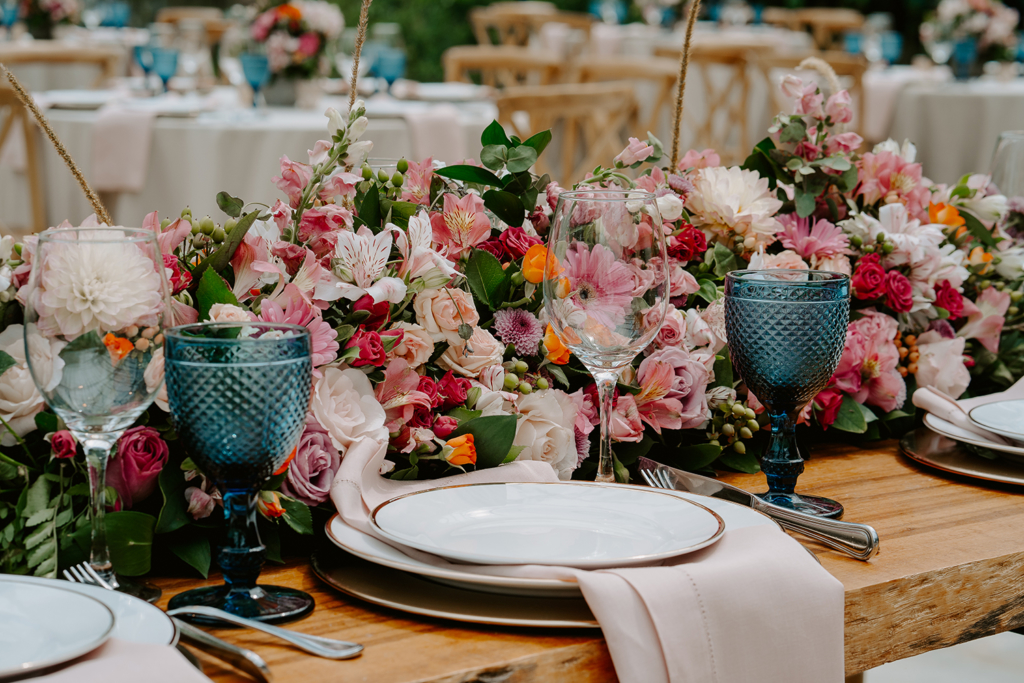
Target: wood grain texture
951 569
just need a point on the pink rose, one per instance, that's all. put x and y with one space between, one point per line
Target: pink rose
626 424
826 404
416 345
445 425
681 282
899 293
141 455
309 43
63 444
688 384
311 472
380 311
673 329
517 242
429 387
635 151
838 107
869 278
948 298
844 142
293 179
371 349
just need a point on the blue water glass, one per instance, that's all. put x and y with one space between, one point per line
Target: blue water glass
758 13
9 14
144 58
238 395
165 64
786 332
853 43
390 64
115 14
965 56
256 68
892 46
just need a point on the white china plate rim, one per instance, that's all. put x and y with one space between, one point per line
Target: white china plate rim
951 431
67 654
977 417
703 540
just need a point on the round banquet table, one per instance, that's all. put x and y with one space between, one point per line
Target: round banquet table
955 125
193 158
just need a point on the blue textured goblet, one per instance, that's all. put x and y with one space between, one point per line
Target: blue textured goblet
238 394
786 331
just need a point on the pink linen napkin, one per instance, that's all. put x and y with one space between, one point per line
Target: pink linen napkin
436 132
956 412
120 148
754 606
120 661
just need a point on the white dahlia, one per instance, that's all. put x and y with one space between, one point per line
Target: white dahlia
101 286
734 204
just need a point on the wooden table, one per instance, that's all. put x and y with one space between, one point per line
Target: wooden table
951 569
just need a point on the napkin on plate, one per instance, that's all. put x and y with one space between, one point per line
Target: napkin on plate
752 606
120 661
121 140
436 132
956 412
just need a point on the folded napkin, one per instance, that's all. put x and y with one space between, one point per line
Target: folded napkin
754 606
956 412
121 140
436 132
120 661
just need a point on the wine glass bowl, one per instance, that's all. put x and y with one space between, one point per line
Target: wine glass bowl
165 64
786 331
256 68
238 394
606 285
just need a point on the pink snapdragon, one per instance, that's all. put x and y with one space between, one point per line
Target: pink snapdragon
293 179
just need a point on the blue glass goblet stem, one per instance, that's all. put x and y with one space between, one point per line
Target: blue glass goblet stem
238 395
786 332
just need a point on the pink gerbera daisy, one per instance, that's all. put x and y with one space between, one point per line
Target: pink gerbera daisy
602 287
822 239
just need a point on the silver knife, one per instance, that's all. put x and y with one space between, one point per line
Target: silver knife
857 540
245 660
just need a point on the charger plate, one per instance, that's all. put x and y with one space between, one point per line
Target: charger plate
935 450
951 431
399 590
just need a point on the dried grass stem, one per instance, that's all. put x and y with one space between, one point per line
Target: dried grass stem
360 37
684 63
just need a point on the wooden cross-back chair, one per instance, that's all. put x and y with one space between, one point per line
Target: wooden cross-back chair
212 18
513 23
15 112
826 23
501 66
589 121
107 58
662 72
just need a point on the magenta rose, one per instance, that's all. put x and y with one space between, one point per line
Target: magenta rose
540 221
950 299
380 312
63 445
453 389
517 242
899 293
309 43
133 470
429 387
312 470
445 425
495 248
371 349
869 278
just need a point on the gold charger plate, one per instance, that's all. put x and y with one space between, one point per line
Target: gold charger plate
934 450
399 590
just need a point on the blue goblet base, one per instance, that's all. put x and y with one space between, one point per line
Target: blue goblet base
272 604
809 505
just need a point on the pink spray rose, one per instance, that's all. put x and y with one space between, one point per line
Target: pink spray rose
63 444
838 107
899 293
311 471
626 424
516 242
371 349
141 455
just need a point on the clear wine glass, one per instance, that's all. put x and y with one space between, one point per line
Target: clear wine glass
94 318
606 286
238 394
1008 163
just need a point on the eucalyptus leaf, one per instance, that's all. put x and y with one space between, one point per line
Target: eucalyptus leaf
494 134
469 174
493 156
232 206
539 141
805 202
521 158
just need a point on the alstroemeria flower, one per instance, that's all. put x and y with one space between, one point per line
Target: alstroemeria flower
985 320
635 151
418 256
416 188
293 179
462 225
360 259
399 393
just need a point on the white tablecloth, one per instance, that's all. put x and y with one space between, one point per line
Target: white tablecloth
882 88
955 125
191 159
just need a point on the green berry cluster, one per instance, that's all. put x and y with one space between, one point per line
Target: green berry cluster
516 378
205 232
731 425
392 184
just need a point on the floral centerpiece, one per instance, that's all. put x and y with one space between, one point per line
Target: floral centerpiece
42 15
988 22
420 291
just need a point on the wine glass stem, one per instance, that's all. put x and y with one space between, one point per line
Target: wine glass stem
241 557
782 462
97 453
606 382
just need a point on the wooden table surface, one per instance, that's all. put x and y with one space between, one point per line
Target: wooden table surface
951 569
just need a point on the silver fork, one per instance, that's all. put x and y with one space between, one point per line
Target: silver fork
242 659
328 648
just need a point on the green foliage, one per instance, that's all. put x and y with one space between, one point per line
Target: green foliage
220 259
489 283
130 539
6 362
492 437
212 290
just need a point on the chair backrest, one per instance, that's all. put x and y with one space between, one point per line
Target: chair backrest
826 23
849 68
501 66
211 17
14 112
660 73
107 57
511 22
589 122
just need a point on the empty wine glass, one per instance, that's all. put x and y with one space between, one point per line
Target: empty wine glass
606 286
256 68
94 319
786 331
238 394
1008 163
165 64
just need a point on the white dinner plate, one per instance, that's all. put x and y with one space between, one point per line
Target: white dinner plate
951 431
374 550
45 625
1005 418
80 99
570 524
445 92
136 620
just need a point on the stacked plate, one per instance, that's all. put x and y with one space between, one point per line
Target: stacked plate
1005 418
45 623
442 546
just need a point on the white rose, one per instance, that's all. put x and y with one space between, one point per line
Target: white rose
670 207
344 405
469 358
20 400
228 313
546 430
154 377
494 403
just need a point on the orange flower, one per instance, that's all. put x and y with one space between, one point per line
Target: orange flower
534 265
558 353
980 257
463 451
119 347
563 289
944 214
269 505
284 465
290 12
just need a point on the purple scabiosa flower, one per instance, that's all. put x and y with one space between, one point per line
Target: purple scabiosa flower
519 327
